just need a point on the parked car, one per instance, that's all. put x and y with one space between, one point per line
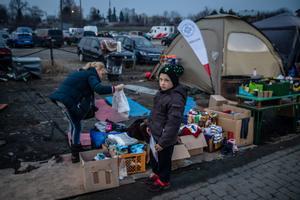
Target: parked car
5 56
5 36
113 33
91 28
21 39
143 49
45 36
75 34
166 41
159 32
24 29
89 33
104 34
67 37
140 33
98 48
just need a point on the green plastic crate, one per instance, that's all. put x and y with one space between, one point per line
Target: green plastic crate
279 88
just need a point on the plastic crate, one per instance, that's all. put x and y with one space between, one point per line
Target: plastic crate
135 163
279 89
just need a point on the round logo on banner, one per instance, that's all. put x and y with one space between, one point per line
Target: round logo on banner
188 29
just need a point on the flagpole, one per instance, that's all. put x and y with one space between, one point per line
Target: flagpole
212 85
207 69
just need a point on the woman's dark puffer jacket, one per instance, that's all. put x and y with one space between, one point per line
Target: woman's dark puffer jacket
76 91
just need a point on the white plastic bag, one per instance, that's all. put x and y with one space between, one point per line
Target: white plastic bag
122 169
152 147
120 102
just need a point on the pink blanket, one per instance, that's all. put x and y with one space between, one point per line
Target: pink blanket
107 112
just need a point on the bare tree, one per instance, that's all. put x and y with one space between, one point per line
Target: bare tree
175 17
34 15
18 8
166 17
201 14
156 20
70 11
214 12
121 17
94 14
3 14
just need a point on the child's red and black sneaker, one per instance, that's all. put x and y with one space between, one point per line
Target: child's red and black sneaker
151 179
159 186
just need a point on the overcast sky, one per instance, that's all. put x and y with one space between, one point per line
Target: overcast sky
183 7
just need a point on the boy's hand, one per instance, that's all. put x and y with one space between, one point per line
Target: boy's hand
158 147
148 131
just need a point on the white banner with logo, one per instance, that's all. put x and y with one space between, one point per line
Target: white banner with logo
191 33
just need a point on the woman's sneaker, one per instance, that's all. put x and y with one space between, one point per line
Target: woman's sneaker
75 149
159 186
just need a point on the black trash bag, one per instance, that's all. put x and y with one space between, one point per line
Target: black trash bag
227 147
138 130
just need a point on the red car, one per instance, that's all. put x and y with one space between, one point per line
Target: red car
5 56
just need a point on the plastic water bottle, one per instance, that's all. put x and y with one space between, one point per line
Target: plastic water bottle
254 73
122 169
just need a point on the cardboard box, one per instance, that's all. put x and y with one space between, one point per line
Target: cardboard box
211 146
100 174
216 100
239 113
193 144
234 126
180 152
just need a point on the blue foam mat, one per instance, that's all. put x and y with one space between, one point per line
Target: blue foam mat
137 109
190 103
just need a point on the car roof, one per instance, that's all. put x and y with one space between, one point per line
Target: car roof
97 38
132 36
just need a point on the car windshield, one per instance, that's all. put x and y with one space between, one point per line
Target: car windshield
142 42
24 29
55 32
89 33
23 35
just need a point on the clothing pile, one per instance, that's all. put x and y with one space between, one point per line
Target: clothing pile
108 126
190 129
102 156
122 149
121 139
215 132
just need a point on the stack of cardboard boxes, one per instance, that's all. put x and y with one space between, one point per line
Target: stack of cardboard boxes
232 122
104 174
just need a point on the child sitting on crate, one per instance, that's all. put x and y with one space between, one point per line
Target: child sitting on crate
164 124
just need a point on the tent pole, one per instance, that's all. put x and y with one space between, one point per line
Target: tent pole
212 85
